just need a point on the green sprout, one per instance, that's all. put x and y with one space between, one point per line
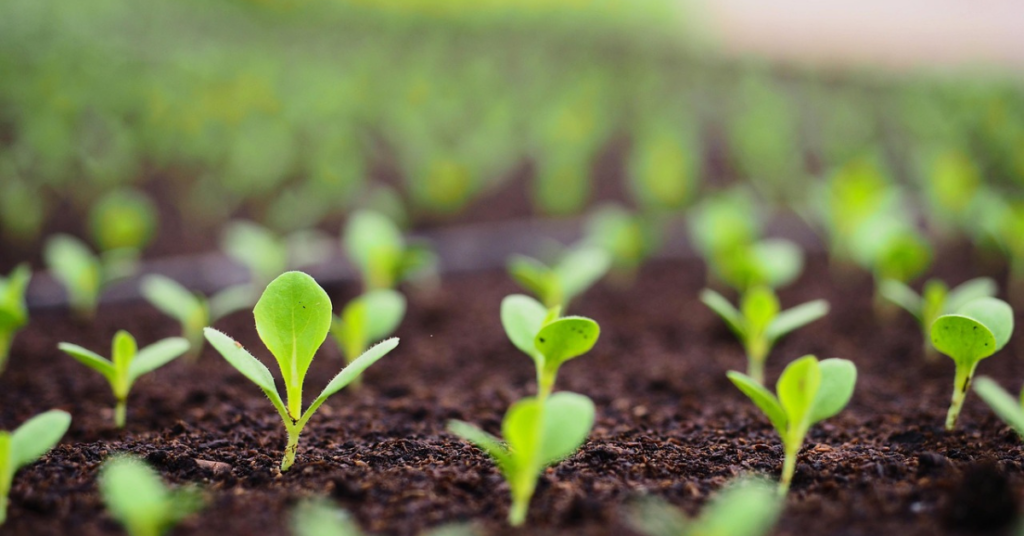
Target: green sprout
538 433
123 221
745 507
318 517
809 392
139 500
936 299
577 269
82 272
377 248
978 329
628 238
892 248
193 311
13 311
1008 408
548 340
366 320
857 191
293 317
664 166
759 323
265 254
26 445
127 364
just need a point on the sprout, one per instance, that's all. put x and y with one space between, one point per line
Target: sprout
976 330
808 392
892 249
628 238
664 166
193 311
266 255
759 323
27 444
1008 408
857 191
318 517
576 271
123 220
936 299
538 433
81 272
13 312
139 500
293 317
548 340
376 246
127 364
366 320
746 507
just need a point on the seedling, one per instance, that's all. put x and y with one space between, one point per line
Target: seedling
266 255
747 507
27 444
318 517
1008 408
293 317
80 271
366 320
548 340
576 271
936 299
139 500
127 364
123 220
663 166
378 249
628 238
773 262
13 312
976 330
193 311
538 433
759 323
809 392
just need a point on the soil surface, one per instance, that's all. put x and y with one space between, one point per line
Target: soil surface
669 422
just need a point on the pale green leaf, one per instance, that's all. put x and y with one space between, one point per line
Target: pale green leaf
243 361
762 398
317 517
899 293
231 299
37 436
779 261
743 508
994 314
968 291
962 338
567 420
717 303
385 309
522 431
293 318
171 298
155 356
76 267
370 235
566 338
522 318
795 318
838 379
257 248
90 359
759 306
13 312
533 276
482 440
798 387
1002 403
356 367
579 268
123 351
652 516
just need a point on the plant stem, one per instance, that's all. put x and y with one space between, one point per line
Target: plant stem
757 354
291 449
521 496
3 508
545 383
120 412
962 382
789 467
6 337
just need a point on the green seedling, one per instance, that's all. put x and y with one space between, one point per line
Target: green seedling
747 507
82 272
936 299
378 249
548 340
628 238
123 220
809 392
725 221
293 317
13 311
538 433
26 445
137 498
1008 408
576 270
856 192
759 323
773 262
318 517
266 255
976 330
366 320
664 167
194 311
127 364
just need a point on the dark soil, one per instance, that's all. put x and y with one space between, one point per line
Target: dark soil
669 422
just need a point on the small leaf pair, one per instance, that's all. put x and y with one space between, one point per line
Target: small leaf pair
809 392
13 311
772 262
548 340
538 433
746 507
377 248
127 364
293 317
936 299
759 323
139 500
27 444
576 271
977 329
366 320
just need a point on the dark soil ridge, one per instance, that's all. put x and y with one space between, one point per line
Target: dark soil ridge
669 422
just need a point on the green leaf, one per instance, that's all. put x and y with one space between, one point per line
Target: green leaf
418 261
717 303
76 267
762 398
567 420
744 508
231 299
1002 403
968 291
962 338
13 312
652 516
994 314
155 356
318 517
171 298
293 318
566 338
579 268
256 248
139 500
37 436
779 262
90 359
795 318
533 276
356 367
123 351
759 307
522 431
385 309
123 218
484 441
899 293
243 361
838 379
798 388
522 318
374 243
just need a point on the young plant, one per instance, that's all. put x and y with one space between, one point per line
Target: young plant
127 364
976 330
366 320
1008 408
293 317
318 517
122 223
548 340
378 249
746 507
13 312
266 255
935 299
576 270
538 433
194 311
80 271
759 323
139 500
809 392
628 238
27 444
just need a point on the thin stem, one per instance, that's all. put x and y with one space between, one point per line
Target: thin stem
757 354
120 412
961 383
517 514
521 496
789 466
6 337
292 448
3 508
545 383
